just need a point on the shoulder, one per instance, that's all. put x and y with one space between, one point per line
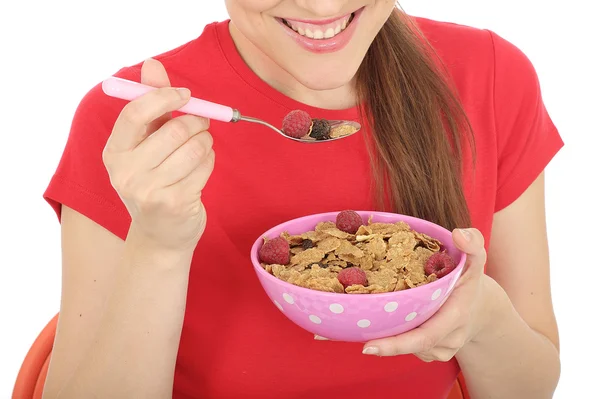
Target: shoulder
187 65
501 92
461 48
451 36
487 69
471 53
188 61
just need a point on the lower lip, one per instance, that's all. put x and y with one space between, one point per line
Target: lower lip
331 45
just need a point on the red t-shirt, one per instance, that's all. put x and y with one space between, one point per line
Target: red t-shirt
235 342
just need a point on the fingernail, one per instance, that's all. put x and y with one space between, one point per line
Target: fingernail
184 93
319 338
370 350
466 234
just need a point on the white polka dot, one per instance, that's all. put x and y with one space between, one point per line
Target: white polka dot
391 307
364 323
336 308
288 298
278 305
436 294
314 319
410 316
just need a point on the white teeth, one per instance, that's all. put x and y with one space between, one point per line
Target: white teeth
319 32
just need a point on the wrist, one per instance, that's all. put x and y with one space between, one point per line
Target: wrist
143 250
494 314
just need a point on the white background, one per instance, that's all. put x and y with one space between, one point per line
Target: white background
52 53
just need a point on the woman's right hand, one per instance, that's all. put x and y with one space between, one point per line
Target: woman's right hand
159 165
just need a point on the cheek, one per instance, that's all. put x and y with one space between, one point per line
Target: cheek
249 15
251 6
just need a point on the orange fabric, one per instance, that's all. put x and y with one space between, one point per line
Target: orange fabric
35 362
39 385
456 392
463 383
459 390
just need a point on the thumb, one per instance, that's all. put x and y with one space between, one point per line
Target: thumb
471 242
155 75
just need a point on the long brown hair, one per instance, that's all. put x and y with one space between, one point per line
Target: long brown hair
418 124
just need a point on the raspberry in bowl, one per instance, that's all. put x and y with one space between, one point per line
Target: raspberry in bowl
349 281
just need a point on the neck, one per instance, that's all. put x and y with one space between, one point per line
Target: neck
265 68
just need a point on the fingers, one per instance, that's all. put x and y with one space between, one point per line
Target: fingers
130 128
196 180
471 242
454 341
169 138
468 240
155 75
437 355
414 341
426 357
193 154
446 332
446 349
425 337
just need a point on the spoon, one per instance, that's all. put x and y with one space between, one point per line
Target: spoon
130 90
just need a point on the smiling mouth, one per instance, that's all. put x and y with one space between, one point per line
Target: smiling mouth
319 30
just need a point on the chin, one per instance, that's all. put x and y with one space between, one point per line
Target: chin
323 72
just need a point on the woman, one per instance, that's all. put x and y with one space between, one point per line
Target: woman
160 299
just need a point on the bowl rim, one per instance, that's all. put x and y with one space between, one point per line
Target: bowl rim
281 226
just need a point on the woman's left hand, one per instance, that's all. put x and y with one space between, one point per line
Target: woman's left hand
459 321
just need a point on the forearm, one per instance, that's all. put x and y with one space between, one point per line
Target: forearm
508 359
133 354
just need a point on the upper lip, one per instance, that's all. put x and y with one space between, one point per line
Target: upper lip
320 21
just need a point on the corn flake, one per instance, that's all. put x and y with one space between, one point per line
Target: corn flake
392 255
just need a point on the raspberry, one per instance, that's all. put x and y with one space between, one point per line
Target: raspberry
440 264
348 221
352 276
296 124
275 251
320 129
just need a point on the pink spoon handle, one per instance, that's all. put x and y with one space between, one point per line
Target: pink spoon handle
129 90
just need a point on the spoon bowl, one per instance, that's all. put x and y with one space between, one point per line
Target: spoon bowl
344 129
129 90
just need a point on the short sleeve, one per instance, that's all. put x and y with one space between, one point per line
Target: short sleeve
527 139
81 181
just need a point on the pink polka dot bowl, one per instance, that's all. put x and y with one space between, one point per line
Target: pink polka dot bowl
358 317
